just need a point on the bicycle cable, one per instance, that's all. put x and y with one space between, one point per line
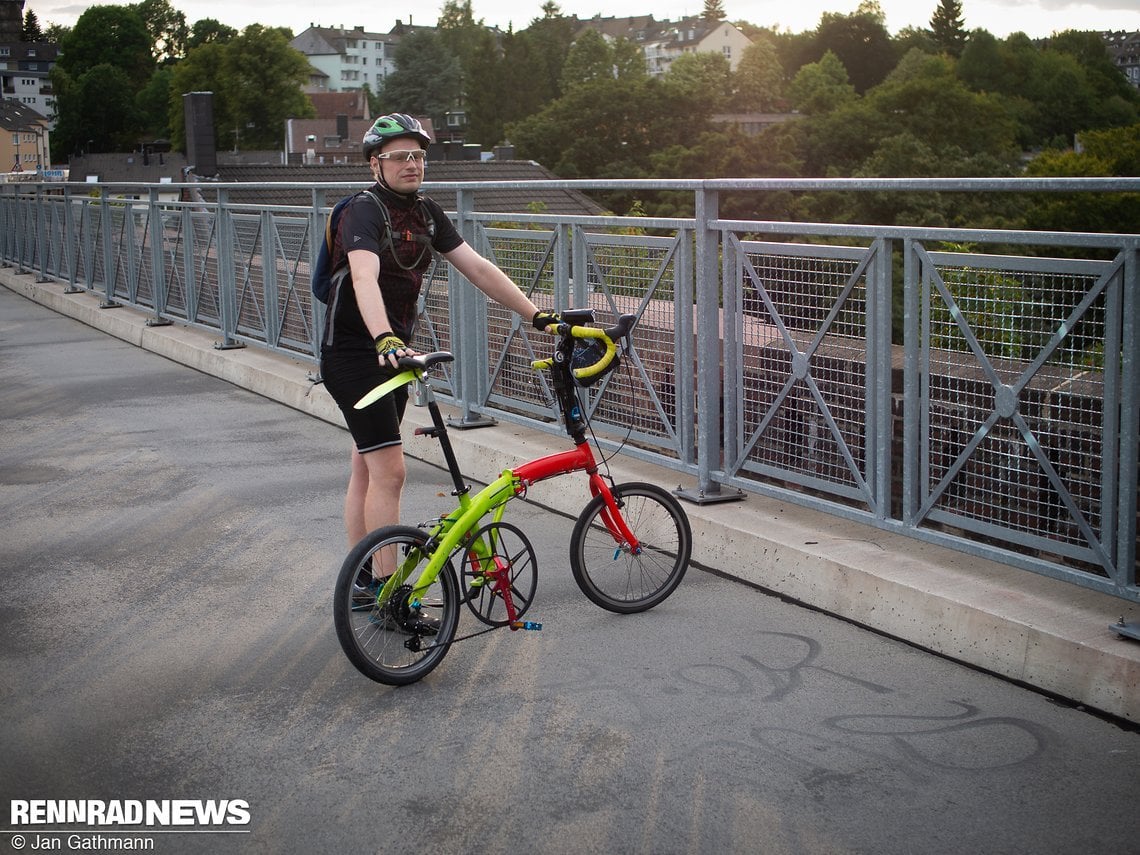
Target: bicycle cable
603 458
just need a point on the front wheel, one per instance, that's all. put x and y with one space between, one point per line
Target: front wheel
617 576
399 636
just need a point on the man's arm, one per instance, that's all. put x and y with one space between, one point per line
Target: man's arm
365 268
489 279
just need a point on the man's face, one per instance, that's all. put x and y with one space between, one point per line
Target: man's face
401 174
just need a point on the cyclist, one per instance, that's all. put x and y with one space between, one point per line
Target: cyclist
372 314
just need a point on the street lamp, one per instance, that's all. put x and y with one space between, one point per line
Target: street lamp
16 142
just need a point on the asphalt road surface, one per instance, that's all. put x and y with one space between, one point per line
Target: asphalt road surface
168 548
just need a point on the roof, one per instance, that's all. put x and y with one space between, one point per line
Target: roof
505 200
16 116
329 105
134 166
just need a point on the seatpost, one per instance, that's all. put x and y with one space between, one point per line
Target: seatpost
439 431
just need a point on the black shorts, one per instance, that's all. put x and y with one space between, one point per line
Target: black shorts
351 376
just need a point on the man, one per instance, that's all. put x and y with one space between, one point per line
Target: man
371 315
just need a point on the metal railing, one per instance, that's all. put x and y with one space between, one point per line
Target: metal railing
1001 421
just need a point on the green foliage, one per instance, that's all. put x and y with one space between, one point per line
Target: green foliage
758 82
108 35
203 70
167 29
427 80
590 58
256 79
821 87
947 28
96 113
699 84
263 76
1114 152
861 42
30 31
713 12
152 105
207 31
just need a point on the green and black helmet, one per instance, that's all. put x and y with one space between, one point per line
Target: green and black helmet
390 127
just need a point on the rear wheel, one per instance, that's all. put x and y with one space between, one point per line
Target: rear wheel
622 578
398 638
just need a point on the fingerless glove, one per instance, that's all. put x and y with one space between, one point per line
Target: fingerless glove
388 343
542 320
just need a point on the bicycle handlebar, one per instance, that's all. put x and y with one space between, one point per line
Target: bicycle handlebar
573 326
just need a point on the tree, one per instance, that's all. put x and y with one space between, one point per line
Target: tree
861 42
256 79
108 35
1112 152
264 76
606 128
428 77
167 28
947 26
96 113
758 81
203 70
31 31
713 12
590 58
699 83
152 104
207 31
821 87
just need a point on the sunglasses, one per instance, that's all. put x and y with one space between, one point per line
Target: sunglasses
404 156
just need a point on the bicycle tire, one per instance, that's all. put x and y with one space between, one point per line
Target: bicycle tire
611 575
384 640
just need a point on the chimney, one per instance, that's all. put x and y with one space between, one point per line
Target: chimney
342 126
201 149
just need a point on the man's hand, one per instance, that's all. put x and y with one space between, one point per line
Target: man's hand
387 344
542 320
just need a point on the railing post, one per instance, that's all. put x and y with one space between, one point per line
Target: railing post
227 283
1130 418
270 295
316 237
709 350
879 421
108 244
157 260
911 406
468 311
41 235
684 378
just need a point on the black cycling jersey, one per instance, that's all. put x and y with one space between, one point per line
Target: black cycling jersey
361 227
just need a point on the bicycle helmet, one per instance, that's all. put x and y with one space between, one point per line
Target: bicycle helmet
391 127
589 363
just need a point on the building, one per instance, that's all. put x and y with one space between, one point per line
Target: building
346 60
24 144
25 69
664 41
1124 49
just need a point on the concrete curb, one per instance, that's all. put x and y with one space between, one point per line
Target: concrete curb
1038 631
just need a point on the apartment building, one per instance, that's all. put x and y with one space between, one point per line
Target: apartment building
345 60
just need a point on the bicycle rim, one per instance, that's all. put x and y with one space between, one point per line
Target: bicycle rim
621 579
392 642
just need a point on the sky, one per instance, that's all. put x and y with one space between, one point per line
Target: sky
1036 18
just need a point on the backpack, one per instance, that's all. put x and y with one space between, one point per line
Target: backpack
323 274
